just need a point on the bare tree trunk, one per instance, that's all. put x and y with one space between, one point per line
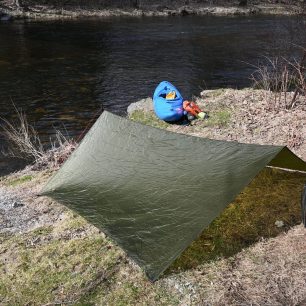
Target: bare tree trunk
17 4
301 69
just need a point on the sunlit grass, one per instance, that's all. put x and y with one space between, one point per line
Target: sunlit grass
71 263
148 118
217 118
19 181
220 118
42 269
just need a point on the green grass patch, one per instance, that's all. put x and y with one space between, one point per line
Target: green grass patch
71 264
73 222
20 180
274 195
148 118
41 231
128 291
36 271
220 118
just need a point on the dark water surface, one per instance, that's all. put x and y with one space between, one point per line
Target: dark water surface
61 72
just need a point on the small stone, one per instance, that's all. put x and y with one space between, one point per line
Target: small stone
17 204
279 223
5 17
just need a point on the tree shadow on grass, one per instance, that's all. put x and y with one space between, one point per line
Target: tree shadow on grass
271 204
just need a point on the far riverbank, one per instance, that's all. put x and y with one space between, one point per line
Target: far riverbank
52 10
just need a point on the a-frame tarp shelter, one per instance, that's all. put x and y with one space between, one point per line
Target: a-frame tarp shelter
154 191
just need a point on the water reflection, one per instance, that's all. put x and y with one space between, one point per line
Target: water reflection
60 72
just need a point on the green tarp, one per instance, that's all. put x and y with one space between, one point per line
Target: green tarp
154 191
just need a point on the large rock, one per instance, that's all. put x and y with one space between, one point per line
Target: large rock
145 105
5 17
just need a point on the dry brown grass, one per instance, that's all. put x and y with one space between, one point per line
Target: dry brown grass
252 120
22 137
280 75
272 272
24 142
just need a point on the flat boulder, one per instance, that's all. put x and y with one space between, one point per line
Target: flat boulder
144 105
5 17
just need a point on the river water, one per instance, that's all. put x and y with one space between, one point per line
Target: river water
61 72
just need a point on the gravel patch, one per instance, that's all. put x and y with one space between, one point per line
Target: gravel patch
21 211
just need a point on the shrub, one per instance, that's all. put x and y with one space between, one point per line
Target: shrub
24 142
279 76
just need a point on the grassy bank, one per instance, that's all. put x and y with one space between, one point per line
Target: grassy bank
66 260
71 261
272 197
50 255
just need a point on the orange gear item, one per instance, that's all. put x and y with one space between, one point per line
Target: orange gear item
170 95
192 108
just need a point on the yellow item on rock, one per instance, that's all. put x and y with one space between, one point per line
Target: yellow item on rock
170 95
201 115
